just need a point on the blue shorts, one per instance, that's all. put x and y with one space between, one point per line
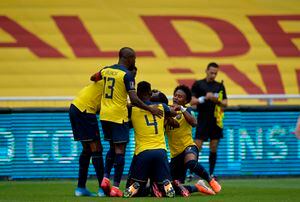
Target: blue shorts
115 132
208 130
151 164
84 125
177 167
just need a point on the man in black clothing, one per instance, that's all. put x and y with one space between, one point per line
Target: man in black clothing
210 97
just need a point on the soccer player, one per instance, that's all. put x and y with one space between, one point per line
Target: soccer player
184 152
150 160
85 128
118 83
158 96
210 97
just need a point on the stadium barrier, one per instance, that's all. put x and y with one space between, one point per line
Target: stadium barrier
65 100
258 141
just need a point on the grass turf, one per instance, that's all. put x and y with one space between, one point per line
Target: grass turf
233 190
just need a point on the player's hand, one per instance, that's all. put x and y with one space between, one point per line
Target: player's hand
156 112
209 96
194 101
175 107
172 122
173 112
212 97
215 100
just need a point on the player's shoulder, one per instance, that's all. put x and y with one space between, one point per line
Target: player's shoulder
121 68
156 104
116 67
105 68
200 81
199 84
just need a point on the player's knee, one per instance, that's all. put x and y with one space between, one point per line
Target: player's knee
86 153
120 148
192 164
213 149
97 149
95 146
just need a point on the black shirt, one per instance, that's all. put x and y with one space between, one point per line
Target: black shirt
200 88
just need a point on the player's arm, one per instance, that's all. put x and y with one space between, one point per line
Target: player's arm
129 85
97 76
214 97
188 114
138 103
169 114
196 97
224 102
210 96
169 111
129 107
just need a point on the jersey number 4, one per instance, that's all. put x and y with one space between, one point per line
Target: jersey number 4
154 123
109 87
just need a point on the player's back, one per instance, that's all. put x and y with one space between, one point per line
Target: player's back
114 98
148 129
89 98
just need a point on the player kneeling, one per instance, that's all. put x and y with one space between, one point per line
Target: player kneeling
150 160
184 152
149 175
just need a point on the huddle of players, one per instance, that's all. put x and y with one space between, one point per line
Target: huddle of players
151 118
150 171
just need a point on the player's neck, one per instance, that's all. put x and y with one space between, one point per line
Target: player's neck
209 80
122 63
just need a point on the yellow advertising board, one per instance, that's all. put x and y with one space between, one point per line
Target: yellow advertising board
51 48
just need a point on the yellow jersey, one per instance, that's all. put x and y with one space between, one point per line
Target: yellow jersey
148 129
89 98
179 138
117 82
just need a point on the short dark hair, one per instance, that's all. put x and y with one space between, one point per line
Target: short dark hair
143 88
159 97
212 64
126 52
163 98
186 91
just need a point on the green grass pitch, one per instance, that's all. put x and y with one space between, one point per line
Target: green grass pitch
233 190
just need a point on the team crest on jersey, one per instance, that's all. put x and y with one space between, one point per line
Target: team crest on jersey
178 116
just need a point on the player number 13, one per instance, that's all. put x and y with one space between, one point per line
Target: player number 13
109 87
